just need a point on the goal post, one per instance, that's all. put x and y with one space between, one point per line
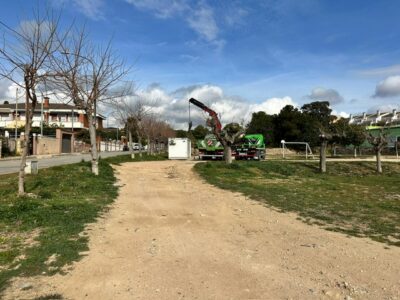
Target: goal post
307 148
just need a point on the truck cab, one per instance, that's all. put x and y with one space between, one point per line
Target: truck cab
250 147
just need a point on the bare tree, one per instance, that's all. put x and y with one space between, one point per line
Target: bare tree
157 132
165 131
25 53
131 111
378 142
149 124
88 75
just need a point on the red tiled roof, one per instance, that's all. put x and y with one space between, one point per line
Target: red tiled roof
21 106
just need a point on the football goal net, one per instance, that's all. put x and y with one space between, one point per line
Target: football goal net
307 149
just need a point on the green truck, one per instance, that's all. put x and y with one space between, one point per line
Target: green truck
210 148
250 147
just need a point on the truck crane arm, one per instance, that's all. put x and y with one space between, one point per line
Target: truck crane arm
212 113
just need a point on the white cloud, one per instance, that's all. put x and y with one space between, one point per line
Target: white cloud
383 108
161 8
273 105
385 71
290 7
389 87
174 106
8 90
93 9
4 86
235 15
340 114
203 22
323 94
200 18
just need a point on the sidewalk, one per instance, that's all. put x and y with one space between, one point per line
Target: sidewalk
11 165
44 156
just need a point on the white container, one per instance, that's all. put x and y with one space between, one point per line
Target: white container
31 167
179 148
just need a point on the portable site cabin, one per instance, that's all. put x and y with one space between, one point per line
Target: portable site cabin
179 148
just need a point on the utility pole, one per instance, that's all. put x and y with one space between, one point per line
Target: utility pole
16 117
41 119
72 119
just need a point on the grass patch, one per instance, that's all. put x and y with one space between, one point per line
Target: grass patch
349 198
49 222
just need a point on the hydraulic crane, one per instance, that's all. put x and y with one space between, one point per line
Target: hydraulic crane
211 146
251 148
214 117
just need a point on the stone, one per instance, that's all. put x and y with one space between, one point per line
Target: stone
25 286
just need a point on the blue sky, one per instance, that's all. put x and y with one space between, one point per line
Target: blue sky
250 51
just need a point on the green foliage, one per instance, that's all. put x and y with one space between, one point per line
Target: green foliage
110 133
351 197
317 115
105 134
288 123
263 124
200 132
48 130
348 134
319 111
5 151
355 135
181 133
232 128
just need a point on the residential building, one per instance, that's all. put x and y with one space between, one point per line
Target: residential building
380 118
52 114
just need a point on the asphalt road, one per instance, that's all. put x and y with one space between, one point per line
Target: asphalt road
12 165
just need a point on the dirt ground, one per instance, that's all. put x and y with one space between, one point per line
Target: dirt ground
170 235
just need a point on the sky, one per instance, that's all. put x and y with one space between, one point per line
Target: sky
244 56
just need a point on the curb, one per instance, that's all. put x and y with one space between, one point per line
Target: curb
41 156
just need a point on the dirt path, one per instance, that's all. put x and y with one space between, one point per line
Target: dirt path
172 236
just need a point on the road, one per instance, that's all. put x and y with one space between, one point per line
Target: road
12 165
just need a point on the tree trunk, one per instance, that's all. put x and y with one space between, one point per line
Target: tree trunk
322 157
93 144
24 145
130 144
140 143
378 161
148 146
228 154
24 154
355 151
